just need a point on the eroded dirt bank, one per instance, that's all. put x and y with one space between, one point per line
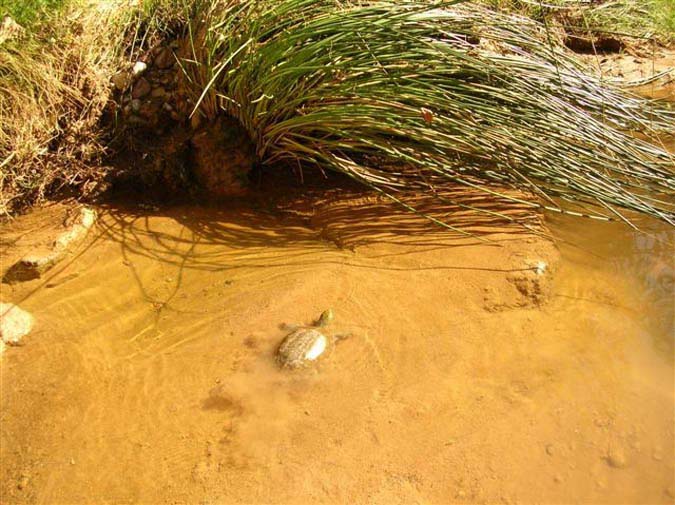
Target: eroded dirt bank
468 378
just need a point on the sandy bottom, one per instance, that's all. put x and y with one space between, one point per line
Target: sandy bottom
468 378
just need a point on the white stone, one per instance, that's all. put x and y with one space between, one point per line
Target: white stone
139 68
15 323
87 217
539 266
78 231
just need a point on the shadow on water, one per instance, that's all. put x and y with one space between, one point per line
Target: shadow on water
293 231
346 219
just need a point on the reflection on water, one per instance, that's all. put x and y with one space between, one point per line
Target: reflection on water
643 260
151 375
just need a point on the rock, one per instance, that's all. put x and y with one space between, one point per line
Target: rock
165 58
139 68
616 458
539 267
168 80
22 483
158 93
121 80
141 88
32 266
657 454
15 323
149 111
78 231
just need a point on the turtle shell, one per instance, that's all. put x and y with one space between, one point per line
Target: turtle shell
301 348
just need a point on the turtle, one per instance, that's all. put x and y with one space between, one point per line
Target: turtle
305 344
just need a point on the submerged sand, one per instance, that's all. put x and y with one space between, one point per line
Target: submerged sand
468 378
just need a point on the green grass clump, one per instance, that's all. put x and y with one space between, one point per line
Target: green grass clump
29 12
663 14
413 94
630 19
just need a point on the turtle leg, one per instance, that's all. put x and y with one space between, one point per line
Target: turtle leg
289 327
342 336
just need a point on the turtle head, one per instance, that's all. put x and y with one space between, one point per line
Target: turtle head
325 318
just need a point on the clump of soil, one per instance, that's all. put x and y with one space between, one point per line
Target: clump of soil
164 144
222 157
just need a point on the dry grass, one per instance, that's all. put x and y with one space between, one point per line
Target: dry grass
54 88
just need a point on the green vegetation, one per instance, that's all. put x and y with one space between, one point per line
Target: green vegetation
630 19
641 19
28 12
663 13
411 95
397 94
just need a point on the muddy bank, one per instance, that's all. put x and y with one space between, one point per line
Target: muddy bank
468 378
653 66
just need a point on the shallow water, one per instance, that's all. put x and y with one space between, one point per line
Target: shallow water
467 378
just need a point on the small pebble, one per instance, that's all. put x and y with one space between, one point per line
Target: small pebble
23 482
550 450
616 458
164 59
15 323
158 93
658 453
141 88
139 67
120 80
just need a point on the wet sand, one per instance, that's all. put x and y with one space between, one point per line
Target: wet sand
467 378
